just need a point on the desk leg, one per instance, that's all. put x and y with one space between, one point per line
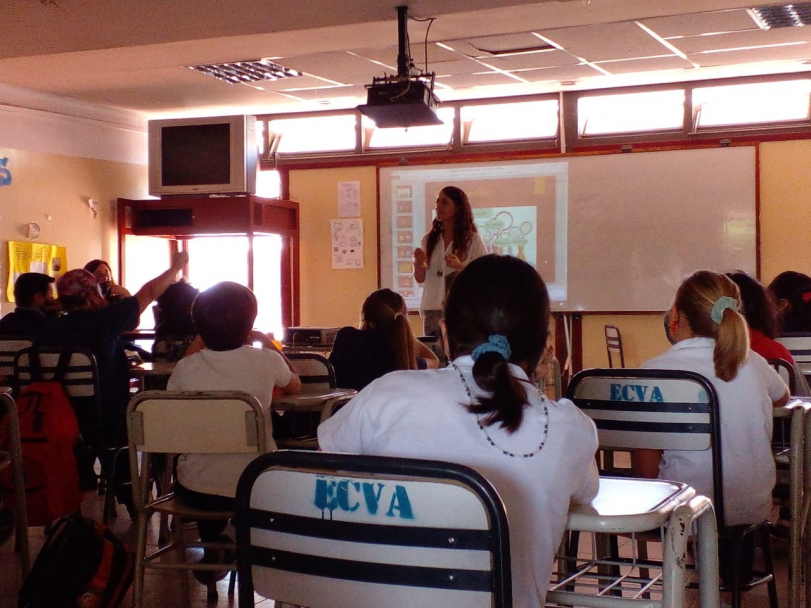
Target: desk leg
675 553
796 457
805 517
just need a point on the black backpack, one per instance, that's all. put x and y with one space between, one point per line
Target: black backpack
82 565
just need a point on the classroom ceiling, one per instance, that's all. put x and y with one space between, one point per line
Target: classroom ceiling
135 55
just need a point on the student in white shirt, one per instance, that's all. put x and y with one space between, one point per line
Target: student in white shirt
711 338
452 243
484 412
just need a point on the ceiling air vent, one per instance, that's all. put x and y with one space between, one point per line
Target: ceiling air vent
246 72
785 15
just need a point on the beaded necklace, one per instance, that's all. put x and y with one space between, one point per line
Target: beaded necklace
487 435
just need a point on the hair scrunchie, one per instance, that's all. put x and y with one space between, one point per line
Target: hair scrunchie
495 344
721 304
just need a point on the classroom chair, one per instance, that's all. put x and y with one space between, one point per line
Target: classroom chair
787 373
13 458
799 345
613 346
9 347
684 416
315 371
81 384
346 531
168 423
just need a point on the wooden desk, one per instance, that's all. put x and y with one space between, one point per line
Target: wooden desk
157 369
312 401
640 505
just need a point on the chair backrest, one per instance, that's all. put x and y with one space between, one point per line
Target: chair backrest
653 409
198 422
613 346
786 371
799 345
315 371
81 378
9 347
346 531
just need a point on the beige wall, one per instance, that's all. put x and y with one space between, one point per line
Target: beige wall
333 297
57 187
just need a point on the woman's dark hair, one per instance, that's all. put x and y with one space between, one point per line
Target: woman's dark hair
498 295
793 292
384 310
224 315
463 225
174 310
92 265
759 308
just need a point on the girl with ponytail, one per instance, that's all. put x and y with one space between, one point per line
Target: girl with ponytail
483 411
712 338
383 343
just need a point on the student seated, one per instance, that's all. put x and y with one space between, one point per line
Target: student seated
712 339
36 300
175 330
792 290
383 343
104 276
484 412
224 315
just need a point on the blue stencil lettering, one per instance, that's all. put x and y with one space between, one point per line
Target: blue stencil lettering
343 495
5 174
325 496
400 502
372 498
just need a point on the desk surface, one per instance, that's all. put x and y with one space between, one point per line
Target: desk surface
156 368
311 401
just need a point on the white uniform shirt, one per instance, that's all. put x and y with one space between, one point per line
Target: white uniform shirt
745 405
252 370
422 414
433 287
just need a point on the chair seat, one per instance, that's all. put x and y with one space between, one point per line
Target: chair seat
171 504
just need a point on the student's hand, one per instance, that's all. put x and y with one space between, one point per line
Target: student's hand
179 261
117 291
420 259
453 262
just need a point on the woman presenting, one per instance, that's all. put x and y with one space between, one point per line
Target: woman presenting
452 244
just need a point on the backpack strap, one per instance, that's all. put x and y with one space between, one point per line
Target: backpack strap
62 364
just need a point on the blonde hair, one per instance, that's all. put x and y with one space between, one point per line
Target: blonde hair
695 299
383 310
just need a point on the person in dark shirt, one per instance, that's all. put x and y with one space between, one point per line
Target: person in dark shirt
35 297
97 324
384 343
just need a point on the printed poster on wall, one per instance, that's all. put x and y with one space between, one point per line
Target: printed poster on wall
348 199
34 257
347 243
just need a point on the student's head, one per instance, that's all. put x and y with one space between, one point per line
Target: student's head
78 290
103 273
792 290
224 315
709 303
498 312
176 301
385 310
34 290
758 303
380 309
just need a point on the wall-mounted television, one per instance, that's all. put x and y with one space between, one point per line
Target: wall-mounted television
202 155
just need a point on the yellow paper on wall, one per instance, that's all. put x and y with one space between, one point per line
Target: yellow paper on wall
34 257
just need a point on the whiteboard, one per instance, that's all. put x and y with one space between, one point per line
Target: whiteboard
614 232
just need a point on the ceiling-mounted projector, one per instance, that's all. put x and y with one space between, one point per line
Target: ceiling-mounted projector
404 100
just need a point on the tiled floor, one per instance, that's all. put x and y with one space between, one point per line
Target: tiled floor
162 588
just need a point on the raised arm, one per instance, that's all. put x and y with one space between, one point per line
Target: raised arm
151 290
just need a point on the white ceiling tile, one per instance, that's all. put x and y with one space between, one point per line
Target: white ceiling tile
645 64
329 92
737 40
461 66
466 81
505 42
777 53
339 66
305 81
563 73
524 61
701 23
388 55
603 42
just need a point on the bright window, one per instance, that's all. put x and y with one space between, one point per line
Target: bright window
746 104
510 121
631 113
314 134
146 257
268 184
412 137
225 258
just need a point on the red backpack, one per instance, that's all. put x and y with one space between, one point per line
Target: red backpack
49 435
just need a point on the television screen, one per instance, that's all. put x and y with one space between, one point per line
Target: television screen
202 155
196 154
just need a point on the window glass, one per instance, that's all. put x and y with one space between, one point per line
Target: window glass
413 137
145 258
511 121
268 184
630 113
746 104
314 134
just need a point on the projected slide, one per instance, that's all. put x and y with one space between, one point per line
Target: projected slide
519 209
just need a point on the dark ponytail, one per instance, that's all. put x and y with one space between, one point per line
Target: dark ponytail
498 298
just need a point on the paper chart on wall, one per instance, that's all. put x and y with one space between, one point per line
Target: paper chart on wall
34 257
348 199
347 243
